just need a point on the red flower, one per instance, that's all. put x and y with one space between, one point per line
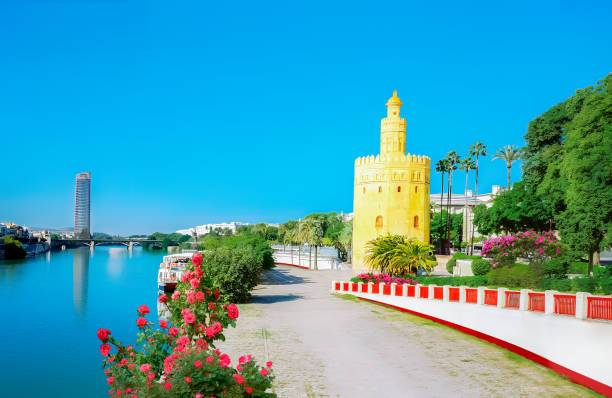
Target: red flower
188 379
264 372
110 380
144 368
143 310
189 318
197 364
212 306
196 259
199 296
232 311
104 350
103 334
249 390
141 322
163 298
167 386
216 294
163 324
151 376
195 282
269 364
173 331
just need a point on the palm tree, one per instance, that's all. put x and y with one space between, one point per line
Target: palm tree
346 239
508 154
289 239
441 167
452 158
477 150
396 255
466 165
304 228
315 237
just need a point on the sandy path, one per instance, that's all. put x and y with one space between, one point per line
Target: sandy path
327 346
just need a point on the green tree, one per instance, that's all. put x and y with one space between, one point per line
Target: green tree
13 248
441 167
518 209
395 255
346 239
452 159
586 224
466 165
508 154
477 150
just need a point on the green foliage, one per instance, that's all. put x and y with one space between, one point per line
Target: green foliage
561 285
584 284
235 272
166 240
244 239
12 248
519 275
437 227
395 255
471 281
578 267
605 285
518 209
480 266
557 266
450 265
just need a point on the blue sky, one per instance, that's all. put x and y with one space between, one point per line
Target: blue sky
192 113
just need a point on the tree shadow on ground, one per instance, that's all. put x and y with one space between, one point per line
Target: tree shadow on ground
271 299
280 276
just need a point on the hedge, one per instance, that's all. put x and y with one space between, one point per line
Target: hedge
480 266
458 256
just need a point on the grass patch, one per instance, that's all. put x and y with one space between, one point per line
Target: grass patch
348 297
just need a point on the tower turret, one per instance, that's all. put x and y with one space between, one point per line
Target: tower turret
393 128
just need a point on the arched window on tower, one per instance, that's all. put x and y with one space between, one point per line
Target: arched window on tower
416 189
379 189
379 224
416 221
399 188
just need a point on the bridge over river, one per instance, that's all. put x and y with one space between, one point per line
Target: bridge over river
128 242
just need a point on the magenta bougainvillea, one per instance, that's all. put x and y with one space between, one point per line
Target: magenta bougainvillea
536 248
179 358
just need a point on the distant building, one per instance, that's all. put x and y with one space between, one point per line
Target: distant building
15 230
458 205
208 228
346 217
82 205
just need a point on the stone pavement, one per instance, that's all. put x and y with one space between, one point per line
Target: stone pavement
329 346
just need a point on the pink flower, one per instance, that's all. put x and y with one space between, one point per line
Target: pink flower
144 368
143 310
216 327
173 331
198 395
232 311
264 372
239 379
196 259
163 324
167 386
163 298
198 272
110 380
189 318
104 350
269 364
103 334
249 390
209 359
191 298
183 340
195 282
141 322
175 295
188 379
199 296
225 360
198 364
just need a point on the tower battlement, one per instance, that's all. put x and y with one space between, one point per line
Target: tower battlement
395 158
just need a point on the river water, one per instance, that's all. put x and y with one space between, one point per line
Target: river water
53 305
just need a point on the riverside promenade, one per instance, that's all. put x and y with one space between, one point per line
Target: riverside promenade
327 346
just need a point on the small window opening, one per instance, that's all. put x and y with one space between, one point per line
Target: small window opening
399 189
416 189
379 223
379 189
416 221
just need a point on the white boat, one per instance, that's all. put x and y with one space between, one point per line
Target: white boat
171 270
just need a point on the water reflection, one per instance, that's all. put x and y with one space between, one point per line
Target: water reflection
80 280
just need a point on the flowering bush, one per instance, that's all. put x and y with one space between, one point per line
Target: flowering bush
382 278
536 248
179 359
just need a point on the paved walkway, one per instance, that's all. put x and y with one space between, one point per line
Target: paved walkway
327 346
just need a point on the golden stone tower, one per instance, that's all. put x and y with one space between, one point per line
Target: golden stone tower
391 190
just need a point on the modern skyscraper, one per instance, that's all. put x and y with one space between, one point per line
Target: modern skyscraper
82 205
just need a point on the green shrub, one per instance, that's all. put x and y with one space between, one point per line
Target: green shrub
235 272
561 285
605 285
480 266
578 267
547 283
584 284
471 281
557 266
450 265
519 275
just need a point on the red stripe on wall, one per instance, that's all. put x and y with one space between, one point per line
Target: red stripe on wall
293 265
562 370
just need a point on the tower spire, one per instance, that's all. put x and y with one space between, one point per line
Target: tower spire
393 128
